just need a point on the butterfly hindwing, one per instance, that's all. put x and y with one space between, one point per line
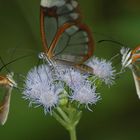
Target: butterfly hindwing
76 44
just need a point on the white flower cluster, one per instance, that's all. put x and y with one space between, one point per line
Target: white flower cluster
103 70
85 94
72 77
45 89
41 89
83 91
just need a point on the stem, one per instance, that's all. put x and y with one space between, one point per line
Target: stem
63 114
59 119
72 133
68 118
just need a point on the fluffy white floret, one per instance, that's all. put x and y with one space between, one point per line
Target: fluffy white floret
103 69
85 94
72 77
40 88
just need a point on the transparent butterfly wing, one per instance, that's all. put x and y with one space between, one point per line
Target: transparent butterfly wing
4 106
74 43
54 15
136 75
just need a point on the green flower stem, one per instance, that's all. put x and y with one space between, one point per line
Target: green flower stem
63 114
72 133
78 116
68 118
59 119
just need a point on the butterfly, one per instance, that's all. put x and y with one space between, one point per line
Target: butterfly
64 37
8 83
131 59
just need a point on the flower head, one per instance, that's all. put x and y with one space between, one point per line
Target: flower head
86 94
41 89
72 77
102 69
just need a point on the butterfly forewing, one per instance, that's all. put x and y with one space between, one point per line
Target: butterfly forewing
63 35
55 14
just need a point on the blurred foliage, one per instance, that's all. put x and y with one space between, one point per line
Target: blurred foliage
116 116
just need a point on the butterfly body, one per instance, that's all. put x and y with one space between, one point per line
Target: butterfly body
53 63
8 83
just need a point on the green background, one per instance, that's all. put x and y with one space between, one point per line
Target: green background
117 115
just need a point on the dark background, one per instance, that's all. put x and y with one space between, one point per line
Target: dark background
117 115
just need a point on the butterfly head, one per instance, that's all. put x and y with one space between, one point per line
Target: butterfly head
126 57
41 55
12 83
45 58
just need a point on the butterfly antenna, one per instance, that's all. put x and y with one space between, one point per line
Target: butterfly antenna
19 58
113 41
115 56
3 63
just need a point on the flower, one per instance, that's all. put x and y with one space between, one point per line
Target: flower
103 69
82 90
40 88
85 94
45 87
72 77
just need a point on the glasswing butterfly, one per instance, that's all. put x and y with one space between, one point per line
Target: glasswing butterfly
8 83
131 59
65 38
